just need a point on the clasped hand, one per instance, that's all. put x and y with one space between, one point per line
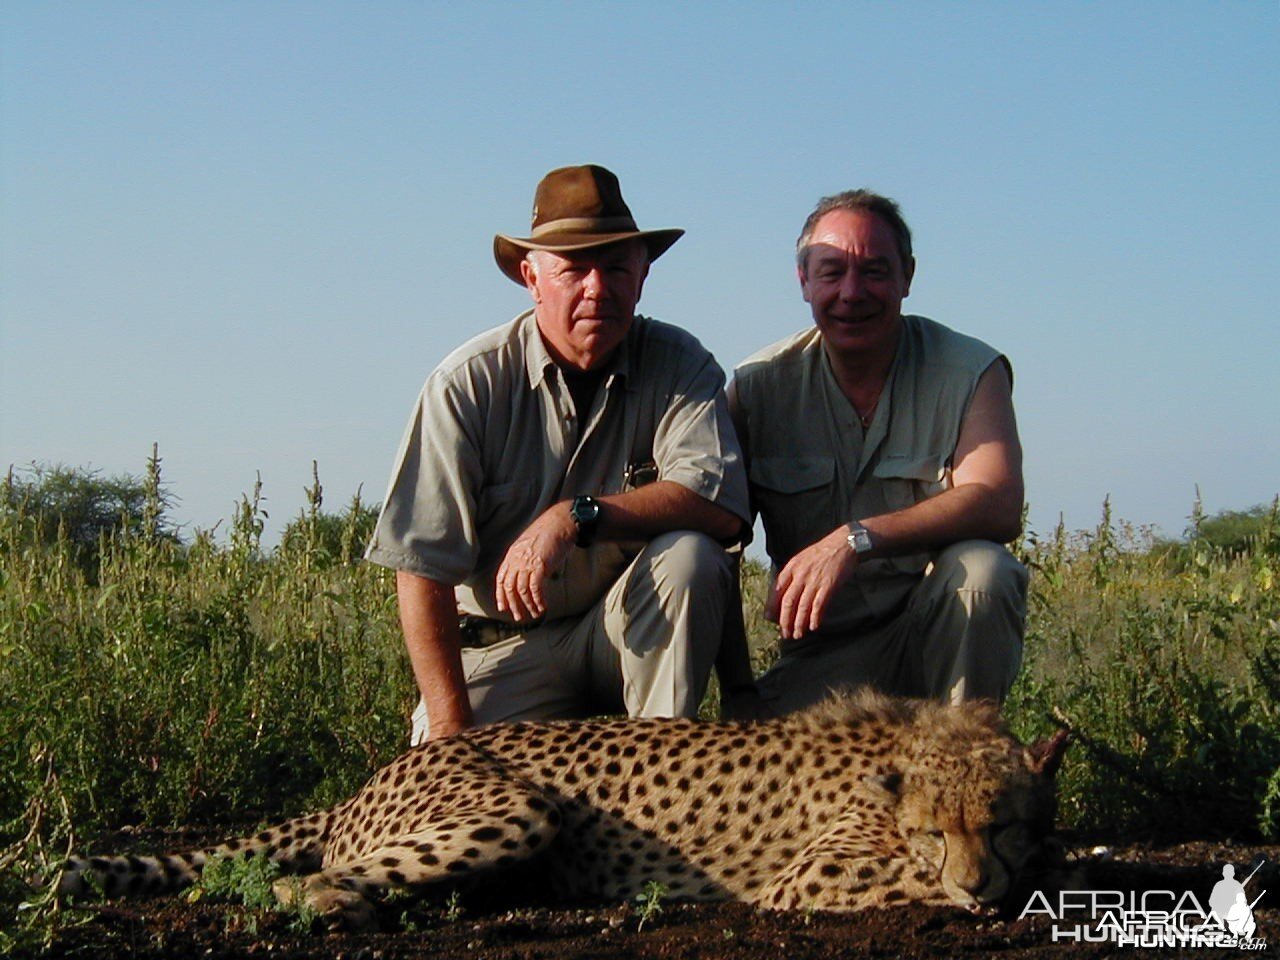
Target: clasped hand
536 554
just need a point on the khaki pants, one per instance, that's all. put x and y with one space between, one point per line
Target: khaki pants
959 637
646 649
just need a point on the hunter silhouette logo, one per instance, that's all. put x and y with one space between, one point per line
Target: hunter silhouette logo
1230 904
1155 918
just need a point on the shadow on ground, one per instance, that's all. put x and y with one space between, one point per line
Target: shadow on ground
479 930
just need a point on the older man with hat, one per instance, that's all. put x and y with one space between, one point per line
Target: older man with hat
560 499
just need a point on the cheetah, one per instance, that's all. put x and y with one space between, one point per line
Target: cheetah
863 801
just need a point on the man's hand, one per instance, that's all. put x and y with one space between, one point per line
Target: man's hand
535 555
808 582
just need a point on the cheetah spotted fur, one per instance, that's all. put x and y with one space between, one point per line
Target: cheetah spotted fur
863 801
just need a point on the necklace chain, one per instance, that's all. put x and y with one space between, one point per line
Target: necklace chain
866 418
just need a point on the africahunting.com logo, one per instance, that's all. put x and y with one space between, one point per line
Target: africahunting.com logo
1154 918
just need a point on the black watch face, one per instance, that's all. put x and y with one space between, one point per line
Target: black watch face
585 512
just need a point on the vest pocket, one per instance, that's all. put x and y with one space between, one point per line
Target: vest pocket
789 475
795 497
905 481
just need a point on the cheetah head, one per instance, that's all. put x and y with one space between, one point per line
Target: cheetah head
979 819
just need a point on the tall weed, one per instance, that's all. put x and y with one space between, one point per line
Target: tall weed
194 682
1168 671
218 681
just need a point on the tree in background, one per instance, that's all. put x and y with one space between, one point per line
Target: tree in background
1228 533
86 509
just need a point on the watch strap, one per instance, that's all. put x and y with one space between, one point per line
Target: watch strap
585 512
859 538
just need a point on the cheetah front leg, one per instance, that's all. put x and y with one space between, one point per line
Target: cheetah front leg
841 876
857 863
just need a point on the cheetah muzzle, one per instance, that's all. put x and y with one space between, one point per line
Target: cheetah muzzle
863 801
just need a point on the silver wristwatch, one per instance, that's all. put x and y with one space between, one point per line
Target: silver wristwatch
859 538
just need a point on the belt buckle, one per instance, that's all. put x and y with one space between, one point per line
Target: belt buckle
472 630
484 632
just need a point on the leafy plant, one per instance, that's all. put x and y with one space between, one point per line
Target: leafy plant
649 903
83 510
252 881
206 680
453 909
215 679
1168 671
243 878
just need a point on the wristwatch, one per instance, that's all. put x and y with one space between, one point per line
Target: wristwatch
859 538
585 512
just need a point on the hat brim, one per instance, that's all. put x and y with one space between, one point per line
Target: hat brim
509 251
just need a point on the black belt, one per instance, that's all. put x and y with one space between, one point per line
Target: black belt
483 632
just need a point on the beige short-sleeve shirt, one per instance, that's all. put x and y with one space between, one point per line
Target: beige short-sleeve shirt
812 467
494 440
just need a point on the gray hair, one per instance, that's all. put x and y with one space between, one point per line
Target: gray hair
632 243
865 201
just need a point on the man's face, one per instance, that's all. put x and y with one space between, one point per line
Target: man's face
585 302
854 281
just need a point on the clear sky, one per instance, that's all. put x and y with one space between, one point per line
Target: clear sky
248 230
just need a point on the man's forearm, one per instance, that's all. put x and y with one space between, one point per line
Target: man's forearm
660 508
968 512
429 618
641 514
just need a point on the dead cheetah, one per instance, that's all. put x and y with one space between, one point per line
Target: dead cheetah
861 802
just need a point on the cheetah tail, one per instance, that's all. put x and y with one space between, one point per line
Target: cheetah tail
296 845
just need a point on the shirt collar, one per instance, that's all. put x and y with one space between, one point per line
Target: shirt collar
539 363
881 421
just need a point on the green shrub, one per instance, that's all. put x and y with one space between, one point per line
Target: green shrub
1168 671
328 539
252 882
1231 533
83 511
194 682
215 681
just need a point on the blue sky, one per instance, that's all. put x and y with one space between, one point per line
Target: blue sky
247 231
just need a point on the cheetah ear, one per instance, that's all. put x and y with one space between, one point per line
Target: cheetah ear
885 786
1045 756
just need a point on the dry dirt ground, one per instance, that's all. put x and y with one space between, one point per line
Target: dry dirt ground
488 928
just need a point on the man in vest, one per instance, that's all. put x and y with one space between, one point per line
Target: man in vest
884 462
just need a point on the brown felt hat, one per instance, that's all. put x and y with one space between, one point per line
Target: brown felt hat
577 208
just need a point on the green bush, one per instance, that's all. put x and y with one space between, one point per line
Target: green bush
1231 533
1168 671
328 539
215 681
83 511
194 682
